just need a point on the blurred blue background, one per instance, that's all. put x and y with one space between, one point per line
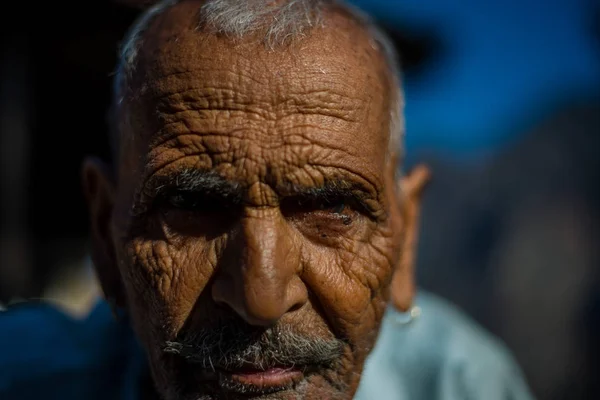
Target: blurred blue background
502 101
496 69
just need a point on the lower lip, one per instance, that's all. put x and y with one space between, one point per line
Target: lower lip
269 379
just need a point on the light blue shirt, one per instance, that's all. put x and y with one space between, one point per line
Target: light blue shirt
441 355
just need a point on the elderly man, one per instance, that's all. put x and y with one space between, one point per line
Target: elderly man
253 226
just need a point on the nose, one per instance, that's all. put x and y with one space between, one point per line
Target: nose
259 273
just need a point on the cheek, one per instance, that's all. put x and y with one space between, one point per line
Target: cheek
351 281
163 280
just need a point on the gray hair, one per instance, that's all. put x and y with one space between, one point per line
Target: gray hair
233 344
281 21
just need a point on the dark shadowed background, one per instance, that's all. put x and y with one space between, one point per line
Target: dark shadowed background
503 101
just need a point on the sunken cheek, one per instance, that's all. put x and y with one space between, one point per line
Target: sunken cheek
163 281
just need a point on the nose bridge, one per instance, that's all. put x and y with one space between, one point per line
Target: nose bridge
267 265
265 248
263 281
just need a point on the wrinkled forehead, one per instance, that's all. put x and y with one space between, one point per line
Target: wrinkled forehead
335 70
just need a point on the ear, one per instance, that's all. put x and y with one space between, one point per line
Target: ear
411 188
99 189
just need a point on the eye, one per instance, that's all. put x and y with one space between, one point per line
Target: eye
335 207
193 201
193 213
339 210
183 200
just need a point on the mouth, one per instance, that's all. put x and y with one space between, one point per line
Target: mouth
252 380
250 364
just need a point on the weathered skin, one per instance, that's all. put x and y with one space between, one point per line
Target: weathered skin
274 123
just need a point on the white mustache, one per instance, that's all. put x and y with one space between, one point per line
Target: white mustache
231 347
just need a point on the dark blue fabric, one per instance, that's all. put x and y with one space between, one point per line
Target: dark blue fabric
45 354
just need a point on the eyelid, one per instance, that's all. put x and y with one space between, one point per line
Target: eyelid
362 207
353 201
201 195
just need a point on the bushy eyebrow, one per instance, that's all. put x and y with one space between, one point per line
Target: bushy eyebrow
212 184
194 180
330 189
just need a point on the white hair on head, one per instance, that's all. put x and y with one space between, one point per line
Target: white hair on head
280 20
132 42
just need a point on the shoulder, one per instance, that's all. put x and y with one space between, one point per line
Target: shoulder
30 334
473 363
44 353
443 355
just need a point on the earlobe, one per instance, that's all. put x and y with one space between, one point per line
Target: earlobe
411 186
99 189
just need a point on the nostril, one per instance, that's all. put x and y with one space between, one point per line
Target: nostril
222 305
297 295
296 307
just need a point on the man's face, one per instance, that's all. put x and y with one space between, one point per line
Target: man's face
254 227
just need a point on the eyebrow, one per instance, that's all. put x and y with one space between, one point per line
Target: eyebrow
195 180
212 184
329 189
